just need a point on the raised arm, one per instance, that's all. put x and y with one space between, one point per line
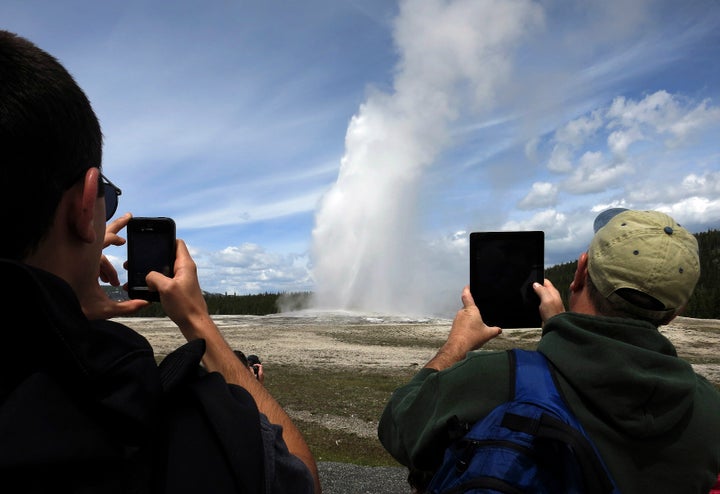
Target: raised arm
183 302
468 332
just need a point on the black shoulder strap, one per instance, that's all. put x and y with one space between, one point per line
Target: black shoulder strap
214 441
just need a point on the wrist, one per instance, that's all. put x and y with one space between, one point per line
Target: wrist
447 356
198 326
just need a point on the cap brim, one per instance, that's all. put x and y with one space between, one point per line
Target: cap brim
603 218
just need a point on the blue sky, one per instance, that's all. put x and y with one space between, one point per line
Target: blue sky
349 147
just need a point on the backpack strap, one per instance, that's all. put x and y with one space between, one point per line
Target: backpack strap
213 431
534 382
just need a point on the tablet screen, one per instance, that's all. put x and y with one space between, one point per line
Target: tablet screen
503 267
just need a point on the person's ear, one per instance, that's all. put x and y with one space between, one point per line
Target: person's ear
84 207
578 281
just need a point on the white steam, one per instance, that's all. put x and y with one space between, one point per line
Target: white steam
368 252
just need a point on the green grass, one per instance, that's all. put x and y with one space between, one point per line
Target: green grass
353 393
361 393
344 447
370 338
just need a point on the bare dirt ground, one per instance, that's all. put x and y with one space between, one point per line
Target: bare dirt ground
390 345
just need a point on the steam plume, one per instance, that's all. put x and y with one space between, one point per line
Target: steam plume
367 250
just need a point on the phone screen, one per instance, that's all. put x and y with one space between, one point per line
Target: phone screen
151 247
503 268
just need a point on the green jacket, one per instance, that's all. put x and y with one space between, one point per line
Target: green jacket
655 421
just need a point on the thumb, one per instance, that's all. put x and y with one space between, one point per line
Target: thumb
541 290
467 298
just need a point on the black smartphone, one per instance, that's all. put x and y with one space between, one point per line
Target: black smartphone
503 268
150 247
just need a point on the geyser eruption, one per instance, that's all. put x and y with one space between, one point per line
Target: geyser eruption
368 251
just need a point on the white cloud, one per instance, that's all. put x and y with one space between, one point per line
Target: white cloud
542 194
248 268
566 235
692 210
660 117
620 140
560 159
708 184
595 173
693 185
654 109
531 149
660 114
696 120
578 131
549 221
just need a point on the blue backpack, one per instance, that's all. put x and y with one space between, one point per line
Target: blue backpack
531 444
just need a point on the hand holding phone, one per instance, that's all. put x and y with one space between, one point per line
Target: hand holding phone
151 247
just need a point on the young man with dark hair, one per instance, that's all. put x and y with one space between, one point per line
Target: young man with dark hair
83 405
652 418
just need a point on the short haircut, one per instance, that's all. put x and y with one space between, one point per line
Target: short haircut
49 137
605 307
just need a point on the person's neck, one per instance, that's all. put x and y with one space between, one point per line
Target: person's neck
57 256
580 302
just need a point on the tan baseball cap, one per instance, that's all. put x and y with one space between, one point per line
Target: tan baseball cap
646 251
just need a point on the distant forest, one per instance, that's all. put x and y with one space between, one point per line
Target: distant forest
704 304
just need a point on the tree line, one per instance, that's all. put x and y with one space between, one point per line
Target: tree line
260 304
704 304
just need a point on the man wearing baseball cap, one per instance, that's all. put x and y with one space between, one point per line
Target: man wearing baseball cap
654 421
641 264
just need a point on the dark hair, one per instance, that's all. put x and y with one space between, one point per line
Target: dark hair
641 300
49 137
240 355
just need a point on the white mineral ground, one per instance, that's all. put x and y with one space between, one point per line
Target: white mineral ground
384 343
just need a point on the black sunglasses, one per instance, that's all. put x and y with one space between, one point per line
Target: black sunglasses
111 193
